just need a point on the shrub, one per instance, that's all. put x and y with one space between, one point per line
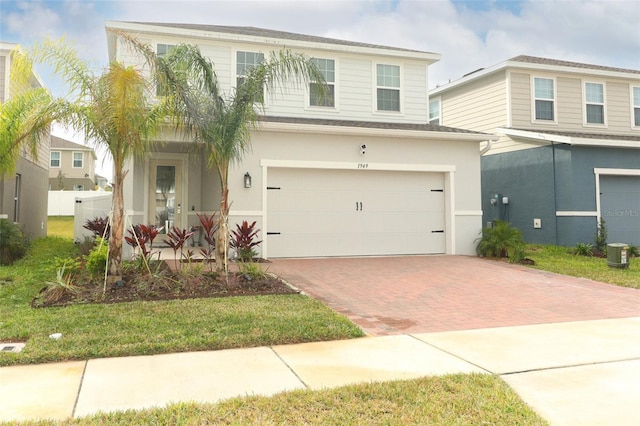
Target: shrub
243 240
502 241
251 270
633 251
63 285
97 258
14 244
584 249
600 239
99 226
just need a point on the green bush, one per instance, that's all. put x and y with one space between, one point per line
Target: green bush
502 241
13 243
97 258
584 249
600 239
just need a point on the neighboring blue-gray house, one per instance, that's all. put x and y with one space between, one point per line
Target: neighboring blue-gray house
569 147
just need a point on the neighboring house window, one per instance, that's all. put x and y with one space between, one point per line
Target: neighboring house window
594 103
78 187
78 160
434 111
162 51
54 159
544 99
244 62
388 87
328 69
636 106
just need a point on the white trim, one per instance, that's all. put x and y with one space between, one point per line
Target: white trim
542 137
443 168
437 99
566 213
336 104
584 104
73 160
633 107
400 89
468 213
59 160
508 101
553 100
245 212
449 188
609 172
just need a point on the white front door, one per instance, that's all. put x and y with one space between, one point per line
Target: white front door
165 195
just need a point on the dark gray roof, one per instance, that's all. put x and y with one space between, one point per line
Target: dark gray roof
602 136
368 124
261 32
60 143
556 62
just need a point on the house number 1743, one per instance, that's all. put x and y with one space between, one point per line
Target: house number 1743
363 165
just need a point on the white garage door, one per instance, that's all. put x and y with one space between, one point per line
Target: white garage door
316 212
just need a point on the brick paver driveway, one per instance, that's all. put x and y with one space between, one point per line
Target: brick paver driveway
414 294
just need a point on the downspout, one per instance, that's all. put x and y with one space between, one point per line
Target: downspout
486 148
555 189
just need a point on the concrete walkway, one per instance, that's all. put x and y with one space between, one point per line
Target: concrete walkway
571 373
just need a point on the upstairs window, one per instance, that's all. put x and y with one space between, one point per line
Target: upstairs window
388 87
54 159
594 103
544 99
636 106
162 51
434 111
78 160
245 61
78 187
328 69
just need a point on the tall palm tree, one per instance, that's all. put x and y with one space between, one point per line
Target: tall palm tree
114 111
26 117
221 122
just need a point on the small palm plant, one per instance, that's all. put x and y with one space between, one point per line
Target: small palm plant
502 241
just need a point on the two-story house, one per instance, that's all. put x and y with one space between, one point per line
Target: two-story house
359 173
23 193
569 147
71 166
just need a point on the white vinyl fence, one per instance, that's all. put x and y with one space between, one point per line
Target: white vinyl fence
88 208
63 203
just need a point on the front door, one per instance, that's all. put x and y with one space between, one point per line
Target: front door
165 195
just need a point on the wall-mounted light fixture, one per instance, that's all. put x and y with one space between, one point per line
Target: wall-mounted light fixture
363 149
247 180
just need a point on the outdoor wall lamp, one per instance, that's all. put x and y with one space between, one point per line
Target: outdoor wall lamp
247 180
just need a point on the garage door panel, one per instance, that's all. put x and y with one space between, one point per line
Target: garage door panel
354 212
620 204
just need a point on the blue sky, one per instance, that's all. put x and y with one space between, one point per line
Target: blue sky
468 34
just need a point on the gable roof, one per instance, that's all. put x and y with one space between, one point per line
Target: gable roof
542 64
254 34
65 145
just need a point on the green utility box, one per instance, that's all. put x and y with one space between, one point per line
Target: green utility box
618 255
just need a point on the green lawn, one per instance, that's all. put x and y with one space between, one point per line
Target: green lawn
141 328
60 226
563 261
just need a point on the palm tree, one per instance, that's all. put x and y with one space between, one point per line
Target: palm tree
26 117
114 111
222 123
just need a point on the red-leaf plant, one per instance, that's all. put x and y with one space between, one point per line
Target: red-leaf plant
243 240
209 227
140 236
176 239
99 226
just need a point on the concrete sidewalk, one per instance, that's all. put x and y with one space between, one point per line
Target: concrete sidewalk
585 373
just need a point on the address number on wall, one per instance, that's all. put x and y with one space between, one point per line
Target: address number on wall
363 165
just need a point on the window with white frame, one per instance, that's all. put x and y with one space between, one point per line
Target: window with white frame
328 69
162 51
78 187
54 159
594 103
434 111
636 106
388 87
244 62
78 160
544 99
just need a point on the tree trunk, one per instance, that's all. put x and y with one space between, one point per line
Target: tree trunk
114 270
222 236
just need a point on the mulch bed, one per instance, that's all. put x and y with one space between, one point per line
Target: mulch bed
165 284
